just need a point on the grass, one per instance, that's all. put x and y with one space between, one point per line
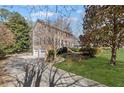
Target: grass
98 68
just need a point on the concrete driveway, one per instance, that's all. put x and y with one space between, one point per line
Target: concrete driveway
15 68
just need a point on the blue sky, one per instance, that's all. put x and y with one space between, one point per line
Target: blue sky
73 13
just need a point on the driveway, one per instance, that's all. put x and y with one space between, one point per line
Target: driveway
15 68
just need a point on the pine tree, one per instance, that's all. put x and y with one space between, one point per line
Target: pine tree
19 26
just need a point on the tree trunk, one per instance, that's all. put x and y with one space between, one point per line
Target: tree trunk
114 40
113 55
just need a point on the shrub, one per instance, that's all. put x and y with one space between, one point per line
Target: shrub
51 53
50 56
75 49
64 55
62 50
98 50
106 48
88 52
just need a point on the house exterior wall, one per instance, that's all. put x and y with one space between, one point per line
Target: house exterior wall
48 37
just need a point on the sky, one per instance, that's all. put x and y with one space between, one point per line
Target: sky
72 13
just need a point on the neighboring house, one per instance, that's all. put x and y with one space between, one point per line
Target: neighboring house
49 37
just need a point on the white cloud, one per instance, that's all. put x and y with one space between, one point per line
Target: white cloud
79 11
42 13
71 19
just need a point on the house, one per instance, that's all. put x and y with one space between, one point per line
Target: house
47 37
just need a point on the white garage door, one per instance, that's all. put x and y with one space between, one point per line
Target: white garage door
42 53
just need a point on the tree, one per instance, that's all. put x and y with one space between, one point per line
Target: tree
85 40
19 26
4 14
105 24
63 23
90 26
6 37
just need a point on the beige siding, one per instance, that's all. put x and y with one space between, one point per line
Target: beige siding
47 37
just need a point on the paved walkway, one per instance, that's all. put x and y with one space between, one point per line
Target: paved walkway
15 67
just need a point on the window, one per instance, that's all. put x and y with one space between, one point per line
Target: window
44 40
49 40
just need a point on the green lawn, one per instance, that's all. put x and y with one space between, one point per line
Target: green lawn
98 68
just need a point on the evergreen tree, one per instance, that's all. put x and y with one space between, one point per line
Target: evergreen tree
4 15
19 26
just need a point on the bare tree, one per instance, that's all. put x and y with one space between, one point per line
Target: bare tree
6 36
63 23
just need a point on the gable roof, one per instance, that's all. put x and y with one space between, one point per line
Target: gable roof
52 26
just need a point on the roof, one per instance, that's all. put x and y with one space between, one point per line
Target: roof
52 26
